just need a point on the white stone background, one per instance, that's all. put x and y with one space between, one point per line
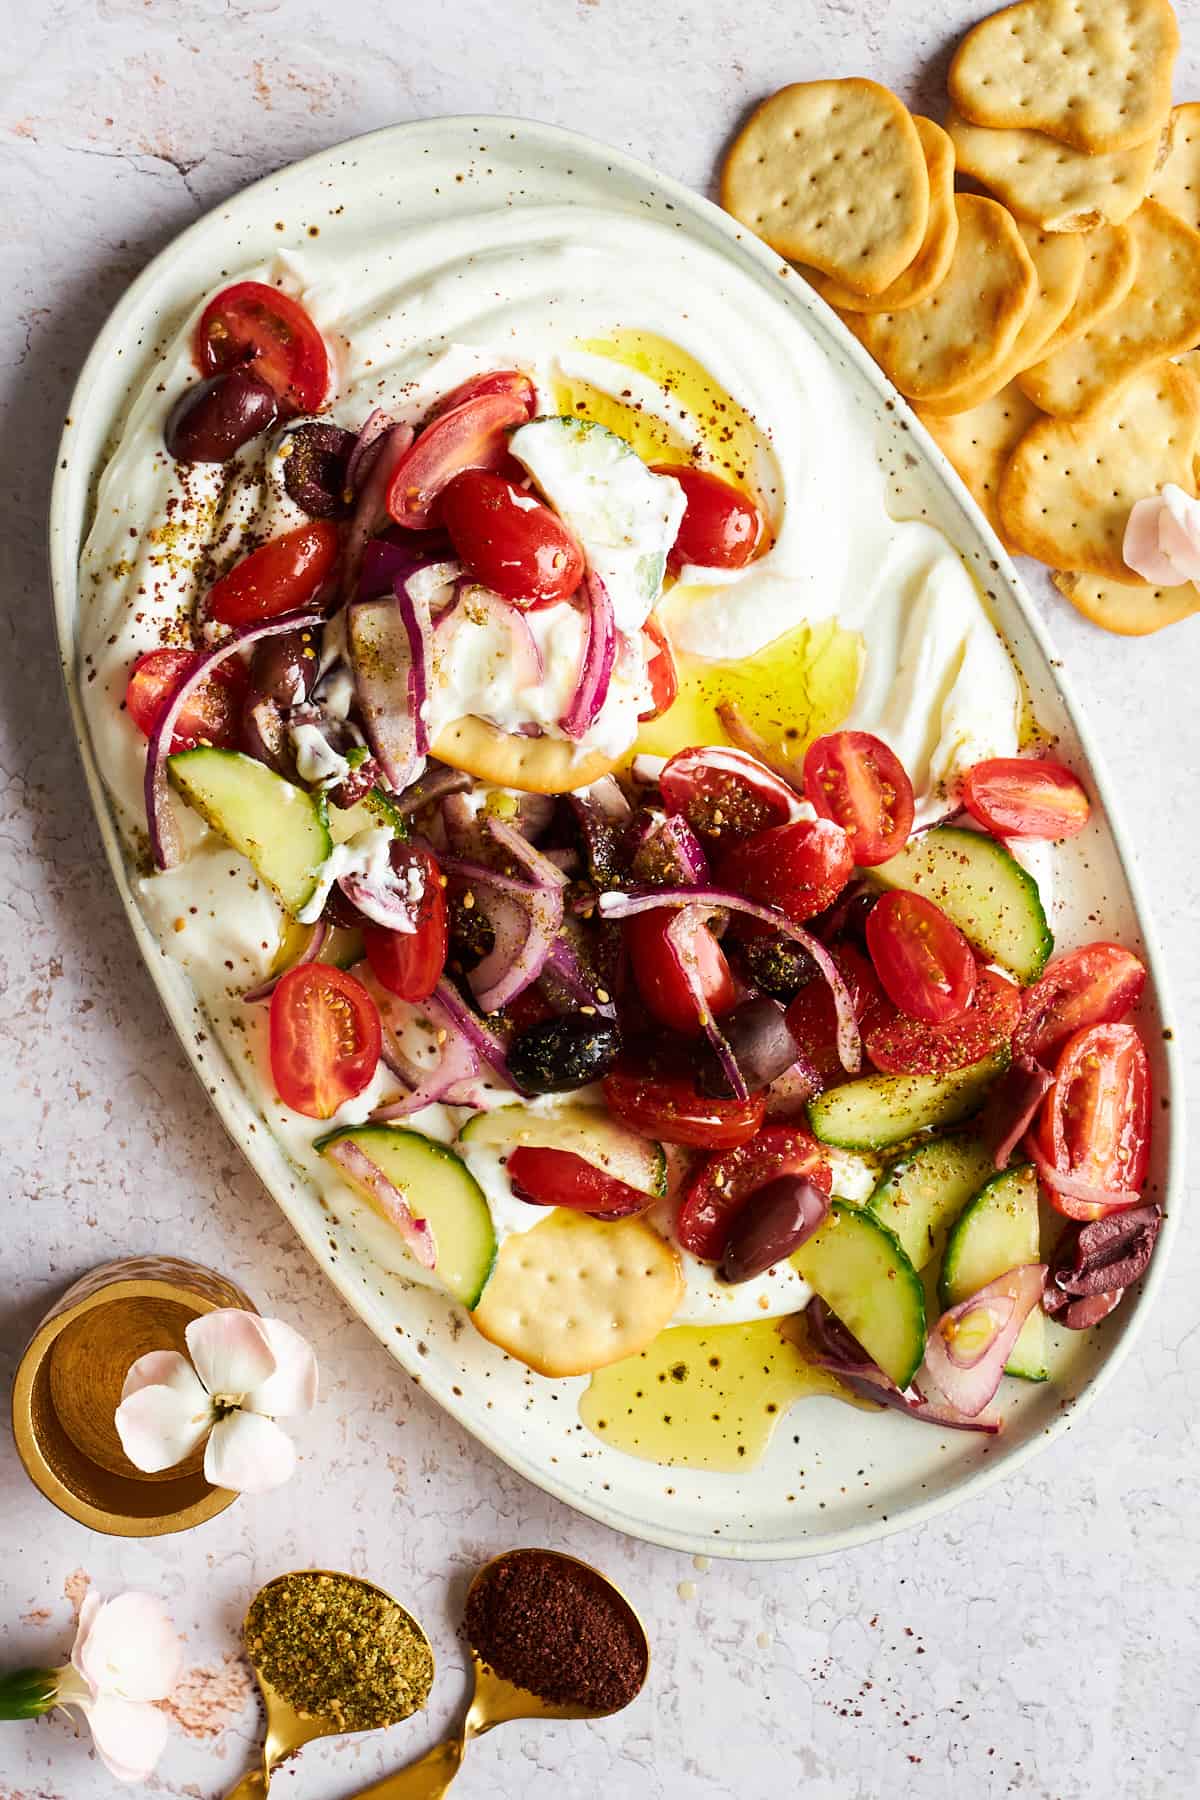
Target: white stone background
1041 1640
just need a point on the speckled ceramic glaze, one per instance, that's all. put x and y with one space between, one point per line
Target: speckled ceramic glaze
834 1476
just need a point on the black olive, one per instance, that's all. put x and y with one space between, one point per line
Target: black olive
559 1054
777 966
212 420
314 469
763 1047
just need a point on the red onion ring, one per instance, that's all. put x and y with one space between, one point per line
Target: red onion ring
417 1233
358 467
678 937
969 1382
596 664
370 509
1074 1186
311 951
458 1061
482 1039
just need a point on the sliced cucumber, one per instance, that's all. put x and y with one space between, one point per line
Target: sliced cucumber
373 809
277 825
877 1110
861 1272
921 1195
998 1232
437 1186
990 897
589 1132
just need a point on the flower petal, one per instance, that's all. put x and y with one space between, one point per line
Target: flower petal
129 1735
230 1350
159 1426
249 1454
292 1388
1140 548
88 1609
164 1368
1179 532
132 1649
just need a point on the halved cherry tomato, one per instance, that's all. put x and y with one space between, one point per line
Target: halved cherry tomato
721 526
325 1039
724 793
509 541
1014 796
906 1046
668 1107
212 714
281 575
660 667
496 381
661 982
716 1192
801 868
559 1178
471 436
410 963
1095 985
251 322
812 1016
854 778
925 963
1095 1121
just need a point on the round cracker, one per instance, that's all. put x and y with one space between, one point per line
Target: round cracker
542 765
928 268
980 443
832 174
576 1293
1110 256
1177 183
1129 611
1050 184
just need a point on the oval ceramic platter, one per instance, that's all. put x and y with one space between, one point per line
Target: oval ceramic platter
834 1475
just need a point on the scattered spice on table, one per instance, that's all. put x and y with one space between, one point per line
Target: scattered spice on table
557 1628
336 1648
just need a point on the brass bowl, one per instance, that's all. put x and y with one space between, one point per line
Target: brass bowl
68 1386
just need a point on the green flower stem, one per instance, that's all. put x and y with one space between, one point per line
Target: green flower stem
27 1693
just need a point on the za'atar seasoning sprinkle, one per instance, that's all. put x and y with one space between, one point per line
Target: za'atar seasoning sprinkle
336 1648
557 1628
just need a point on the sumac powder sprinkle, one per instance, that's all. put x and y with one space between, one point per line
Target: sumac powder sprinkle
554 1627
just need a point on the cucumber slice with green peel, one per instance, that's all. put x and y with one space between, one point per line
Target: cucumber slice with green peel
372 810
437 1186
994 901
859 1269
921 1195
997 1232
874 1111
278 826
589 1132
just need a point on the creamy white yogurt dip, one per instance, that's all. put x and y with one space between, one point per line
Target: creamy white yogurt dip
407 318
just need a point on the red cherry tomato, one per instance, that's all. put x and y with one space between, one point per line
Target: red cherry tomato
720 528
904 1046
281 575
715 1193
559 1178
473 435
660 667
725 793
668 1107
812 1016
509 541
661 982
251 322
496 381
854 778
1013 796
1095 1121
1095 985
325 1039
801 867
410 963
212 715
925 963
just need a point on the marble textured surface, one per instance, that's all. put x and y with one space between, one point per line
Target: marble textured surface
1043 1640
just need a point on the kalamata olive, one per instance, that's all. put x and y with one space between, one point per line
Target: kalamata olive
763 1047
565 1053
284 668
211 421
314 468
264 735
776 966
775 1220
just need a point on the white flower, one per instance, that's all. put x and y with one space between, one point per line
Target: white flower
125 1656
1162 538
244 1373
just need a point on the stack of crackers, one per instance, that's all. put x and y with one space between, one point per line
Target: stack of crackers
1040 329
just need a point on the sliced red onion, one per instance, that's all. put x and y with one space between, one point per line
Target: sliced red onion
482 1039
625 906
414 611
596 664
608 798
524 932
457 1063
1074 1186
417 1233
435 784
679 938
968 1375
311 951
471 600
572 976
462 830
384 563
836 1350
390 643
567 859
370 510
647 770
164 835
366 447
788 1095
1012 1107
747 739
541 871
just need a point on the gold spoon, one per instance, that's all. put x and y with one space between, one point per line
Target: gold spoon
289 1731
494 1702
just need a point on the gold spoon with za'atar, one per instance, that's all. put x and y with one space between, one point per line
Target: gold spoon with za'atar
332 1654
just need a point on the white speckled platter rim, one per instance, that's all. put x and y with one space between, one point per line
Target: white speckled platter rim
782 1509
